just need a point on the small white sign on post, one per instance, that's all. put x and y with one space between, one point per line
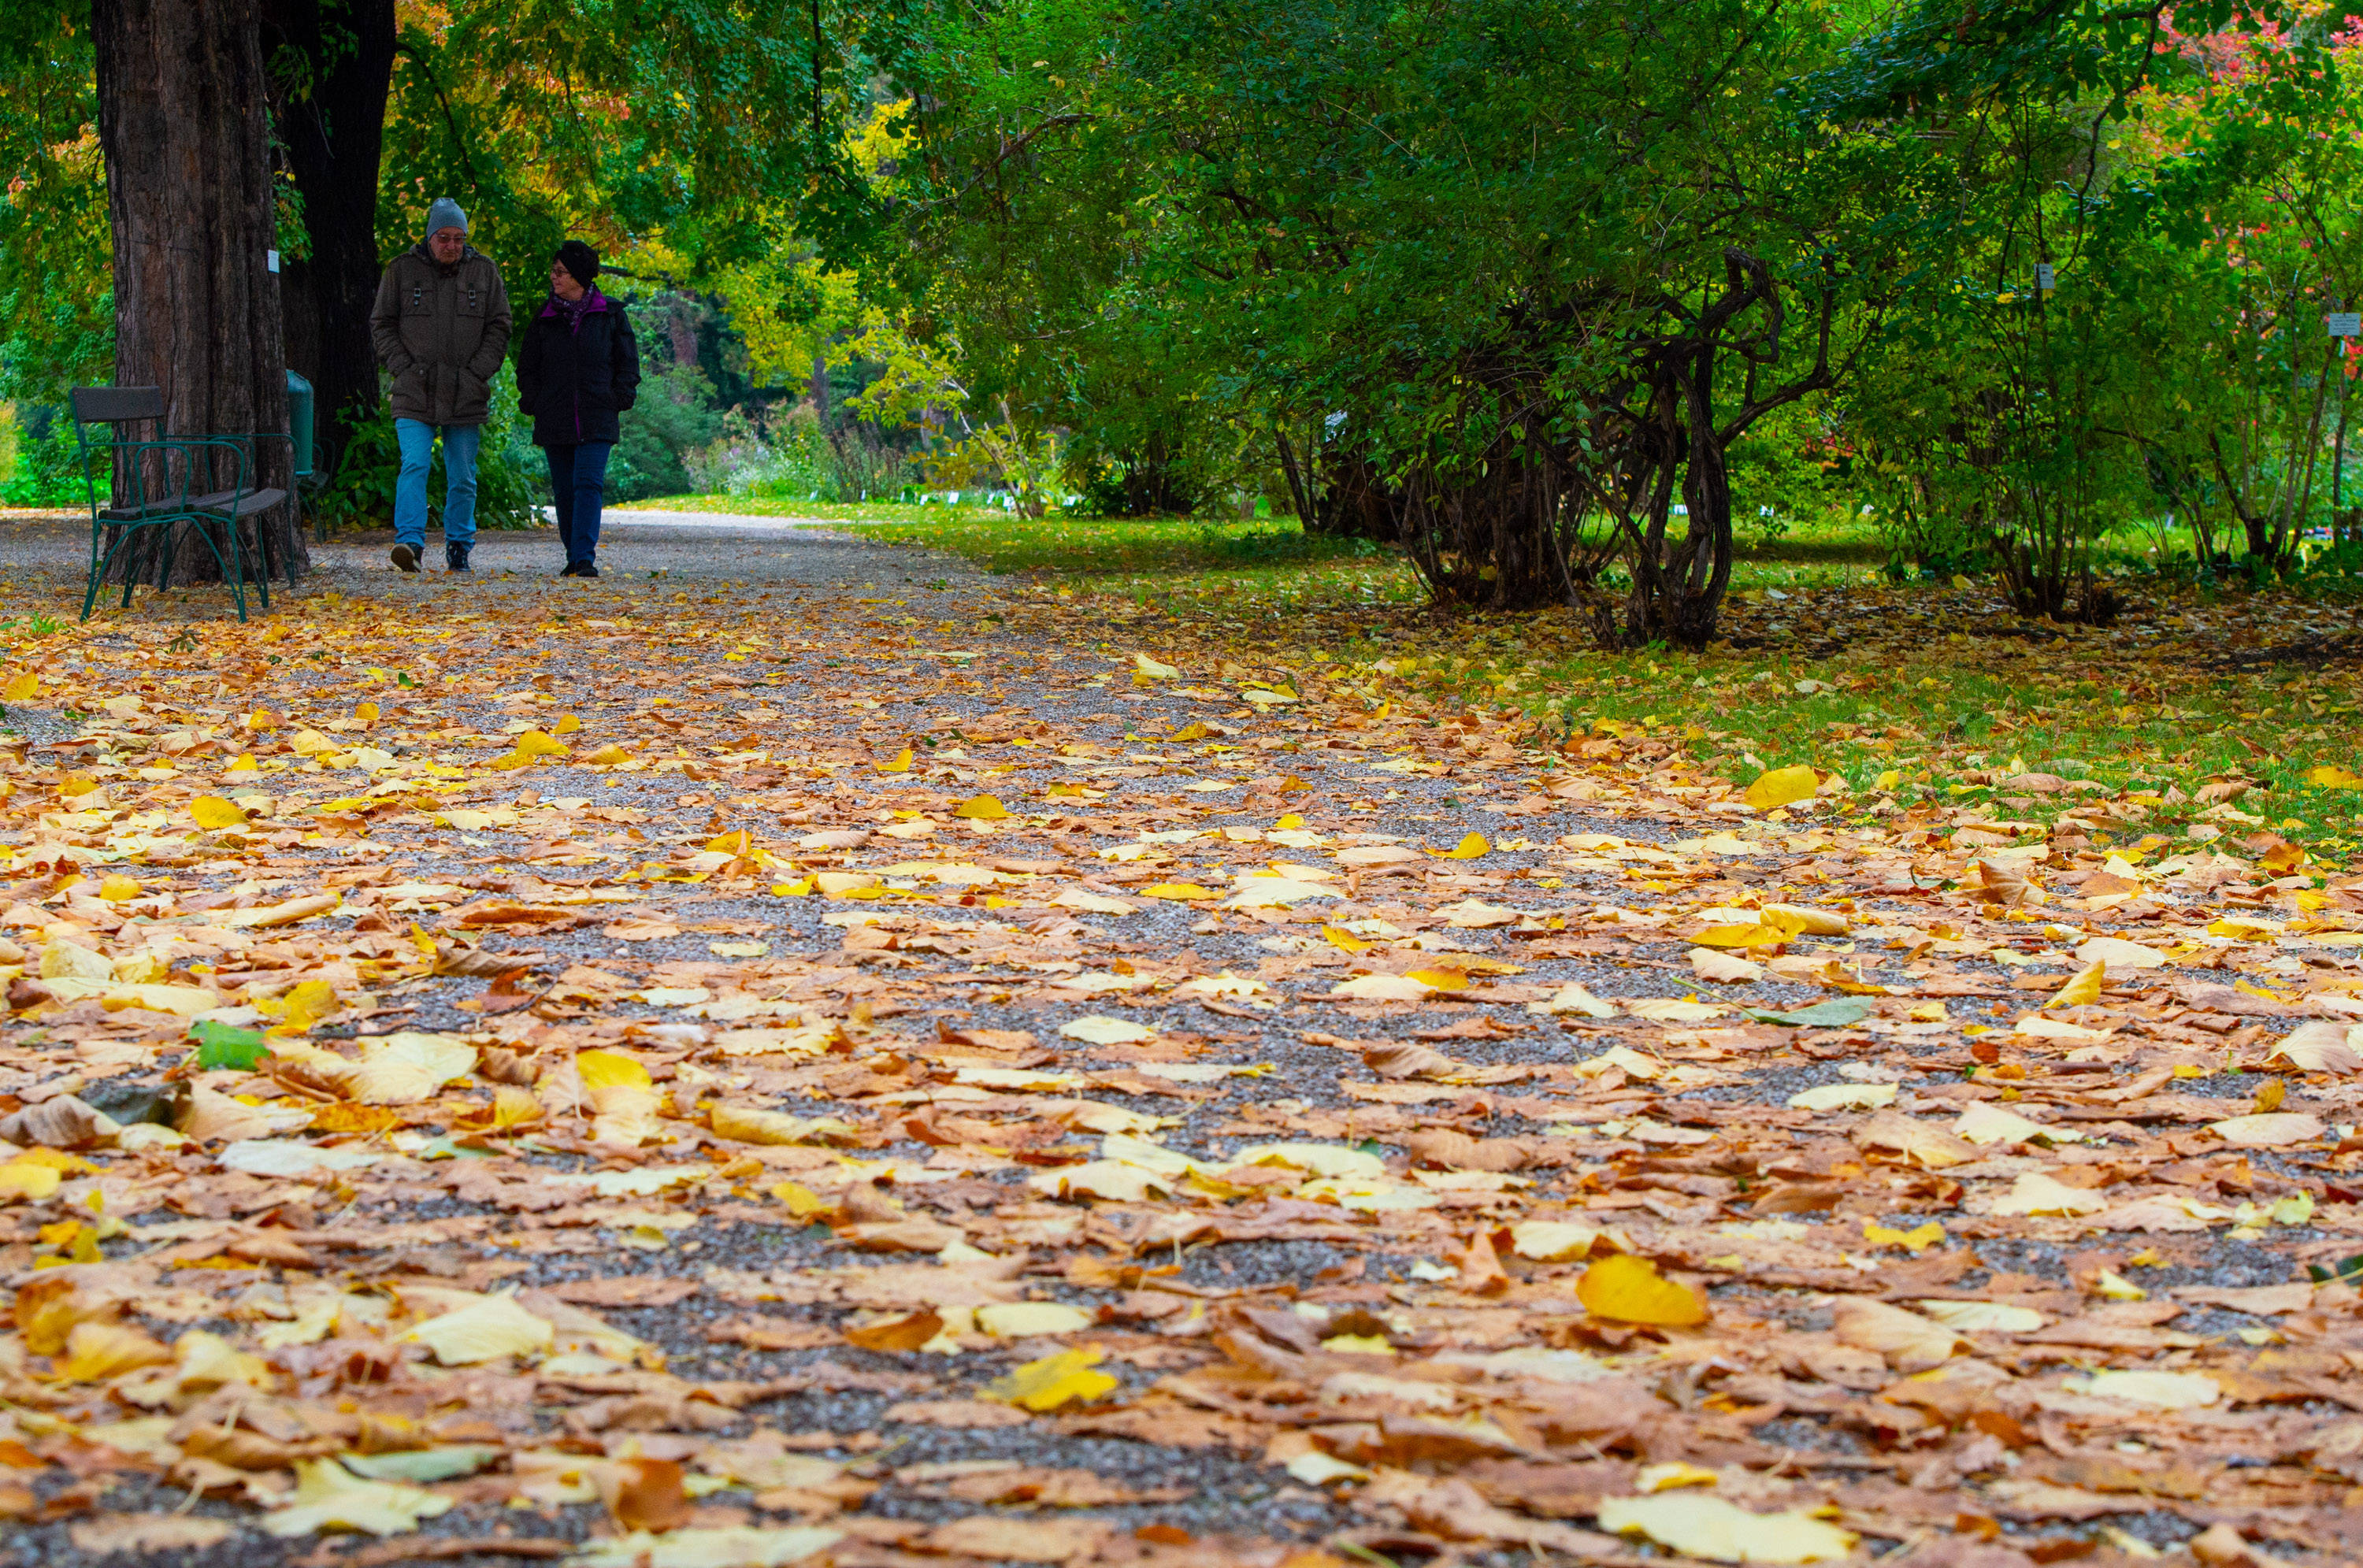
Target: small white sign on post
2044 280
270 261
2346 322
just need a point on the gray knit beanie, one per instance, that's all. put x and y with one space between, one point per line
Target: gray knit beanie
444 213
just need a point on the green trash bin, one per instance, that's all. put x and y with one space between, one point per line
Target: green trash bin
299 436
299 422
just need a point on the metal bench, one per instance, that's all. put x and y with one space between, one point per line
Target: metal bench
159 499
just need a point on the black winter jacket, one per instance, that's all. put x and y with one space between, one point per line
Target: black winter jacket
574 382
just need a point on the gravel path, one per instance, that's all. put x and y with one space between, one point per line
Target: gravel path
828 656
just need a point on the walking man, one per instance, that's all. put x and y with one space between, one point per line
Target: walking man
441 326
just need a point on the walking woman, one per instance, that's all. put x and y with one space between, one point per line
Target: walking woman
579 369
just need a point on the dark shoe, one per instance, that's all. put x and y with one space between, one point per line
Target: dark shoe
570 570
406 557
456 556
586 570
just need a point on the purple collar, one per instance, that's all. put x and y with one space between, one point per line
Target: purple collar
571 312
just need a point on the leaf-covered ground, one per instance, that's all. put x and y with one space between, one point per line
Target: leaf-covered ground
779 1062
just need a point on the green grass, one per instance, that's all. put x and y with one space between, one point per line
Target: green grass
1914 718
1945 724
1911 720
826 510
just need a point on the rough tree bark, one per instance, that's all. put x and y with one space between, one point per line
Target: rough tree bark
331 65
180 121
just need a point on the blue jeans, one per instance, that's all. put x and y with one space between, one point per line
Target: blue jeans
578 483
417 441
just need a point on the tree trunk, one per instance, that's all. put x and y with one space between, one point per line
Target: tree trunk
820 388
180 122
329 101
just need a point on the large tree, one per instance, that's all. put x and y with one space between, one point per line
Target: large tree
182 126
330 62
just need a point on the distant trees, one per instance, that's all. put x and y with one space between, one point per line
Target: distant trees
1507 280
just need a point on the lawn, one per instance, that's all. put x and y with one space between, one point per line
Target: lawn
1916 693
825 511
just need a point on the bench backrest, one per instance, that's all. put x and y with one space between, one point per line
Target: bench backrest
117 405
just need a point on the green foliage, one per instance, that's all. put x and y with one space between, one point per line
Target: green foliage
512 480
699 133
57 304
673 416
46 471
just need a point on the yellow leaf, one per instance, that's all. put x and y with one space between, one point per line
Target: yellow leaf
605 757
1700 1524
28 1179
244 764
1783 786
1631 1290
1062 1379
329 1497
567 724
1758 935
1192 730
610 1069
345 1117
22 688
96 1352
1290 821
1679 1473
366 713
1347 940
535 742
300 1007
212 811
484 1330
1144 665
514 1107
2084 989
736 842
1469 848
802 1201
1915 1239
1438 979
2117 1288
510 761
2328 777
747 1124
902 763
981 808
117 888
1176 890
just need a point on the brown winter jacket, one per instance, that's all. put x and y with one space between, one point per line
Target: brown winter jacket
442 332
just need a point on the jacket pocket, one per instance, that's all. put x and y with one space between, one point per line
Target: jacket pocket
475 402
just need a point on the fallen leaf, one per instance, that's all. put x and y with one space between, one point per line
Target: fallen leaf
482 1331
1064 1378
1783 787
1629 1289
1700 1525
329 1497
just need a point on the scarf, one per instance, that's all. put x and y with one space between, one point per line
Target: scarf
574 310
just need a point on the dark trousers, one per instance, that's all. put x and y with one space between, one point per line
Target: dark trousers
578 483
